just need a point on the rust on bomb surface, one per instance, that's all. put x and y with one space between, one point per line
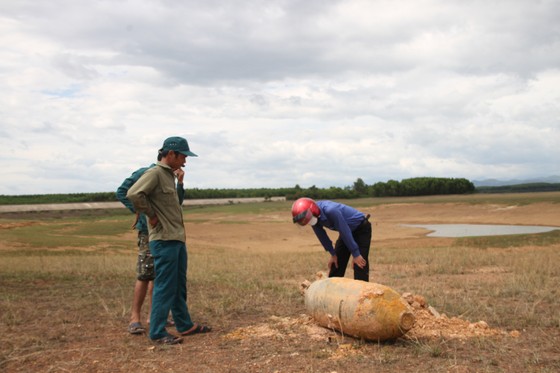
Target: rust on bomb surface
360 309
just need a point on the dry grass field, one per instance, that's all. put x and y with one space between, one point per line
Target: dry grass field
66 281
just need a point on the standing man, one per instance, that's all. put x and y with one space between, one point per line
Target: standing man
145 273
354 229
154 194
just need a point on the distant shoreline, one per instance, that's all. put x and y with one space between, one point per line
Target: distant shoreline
117 205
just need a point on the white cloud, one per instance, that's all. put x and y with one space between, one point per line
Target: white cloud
277 93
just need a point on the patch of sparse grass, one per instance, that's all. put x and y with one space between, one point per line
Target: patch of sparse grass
63 276
241 208
441 349
45 236
517 240
512 199
508 287
259 282
109 227
68 234
44 266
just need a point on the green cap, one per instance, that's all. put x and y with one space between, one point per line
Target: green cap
178 144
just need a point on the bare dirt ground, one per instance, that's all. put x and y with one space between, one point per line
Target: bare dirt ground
249 343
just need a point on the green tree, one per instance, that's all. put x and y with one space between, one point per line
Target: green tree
360 187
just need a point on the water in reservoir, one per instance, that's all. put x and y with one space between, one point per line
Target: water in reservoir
470 230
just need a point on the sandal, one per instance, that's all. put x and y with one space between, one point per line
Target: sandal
198 329
168 340
136 328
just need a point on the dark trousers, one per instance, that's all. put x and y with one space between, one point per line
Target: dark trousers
362 236
170 287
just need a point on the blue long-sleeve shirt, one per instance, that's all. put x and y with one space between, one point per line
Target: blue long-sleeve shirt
341 218
142 223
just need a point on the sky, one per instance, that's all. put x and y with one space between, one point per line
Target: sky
277 93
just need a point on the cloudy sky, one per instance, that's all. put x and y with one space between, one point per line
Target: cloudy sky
279 92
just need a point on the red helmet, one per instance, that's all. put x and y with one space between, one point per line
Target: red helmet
303 210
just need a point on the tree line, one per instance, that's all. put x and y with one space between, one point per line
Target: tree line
419 186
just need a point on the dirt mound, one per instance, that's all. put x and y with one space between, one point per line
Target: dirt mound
429 325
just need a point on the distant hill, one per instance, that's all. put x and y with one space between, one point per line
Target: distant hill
495 182
520 188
